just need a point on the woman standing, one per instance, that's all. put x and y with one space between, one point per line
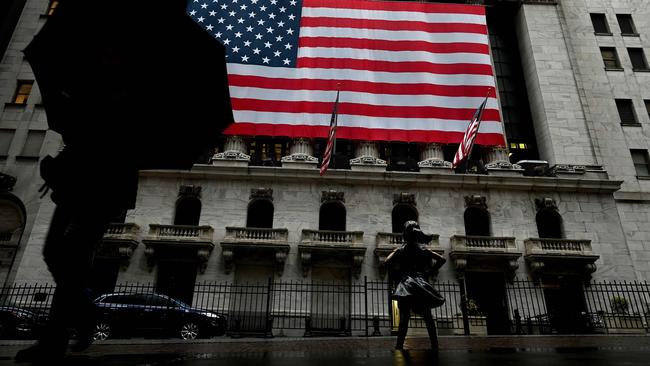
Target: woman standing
409 263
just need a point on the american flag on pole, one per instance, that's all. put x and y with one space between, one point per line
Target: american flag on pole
408 71
466 144
331 139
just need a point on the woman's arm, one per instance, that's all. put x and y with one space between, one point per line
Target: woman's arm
439 260
391 257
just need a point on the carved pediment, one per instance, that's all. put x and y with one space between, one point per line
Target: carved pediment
404 198
476 201
545 204
189 191
332 195
262 193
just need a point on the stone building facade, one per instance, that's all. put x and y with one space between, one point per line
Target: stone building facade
577 207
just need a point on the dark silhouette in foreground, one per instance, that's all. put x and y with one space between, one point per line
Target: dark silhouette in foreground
409 264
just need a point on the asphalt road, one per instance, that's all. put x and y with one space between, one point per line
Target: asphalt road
500 357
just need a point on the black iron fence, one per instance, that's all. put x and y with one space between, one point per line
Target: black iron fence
365 307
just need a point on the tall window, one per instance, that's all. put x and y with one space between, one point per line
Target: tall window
23 89
549 224
260 214
626 111
400 156
639 62
647 106
477 222
627 24
600 23
610 58
401 214
33 144
332 216
266 151
641 162
188 211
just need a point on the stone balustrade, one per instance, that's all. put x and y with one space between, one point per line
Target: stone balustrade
256 234
462 242
484 252
558 246
119 241
327 237
180 232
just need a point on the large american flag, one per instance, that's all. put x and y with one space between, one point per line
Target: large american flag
407 71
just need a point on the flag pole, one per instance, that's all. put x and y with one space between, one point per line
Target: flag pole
480 117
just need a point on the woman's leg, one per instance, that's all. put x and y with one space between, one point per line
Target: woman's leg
404 316
431 328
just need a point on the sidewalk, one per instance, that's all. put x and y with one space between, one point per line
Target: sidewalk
226 345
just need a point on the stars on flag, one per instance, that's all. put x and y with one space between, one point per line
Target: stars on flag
262 32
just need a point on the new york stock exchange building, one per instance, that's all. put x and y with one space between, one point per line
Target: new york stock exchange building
546 231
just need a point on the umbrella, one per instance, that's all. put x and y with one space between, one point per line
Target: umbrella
131 82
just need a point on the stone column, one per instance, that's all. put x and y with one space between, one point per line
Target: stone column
433 158
234 153
367 157
301 155
497 158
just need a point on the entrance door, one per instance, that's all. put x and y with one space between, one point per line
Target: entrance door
176 279
250 298
330 299
565 305
487 290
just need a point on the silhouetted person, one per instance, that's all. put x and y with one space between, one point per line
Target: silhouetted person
89 192
409 263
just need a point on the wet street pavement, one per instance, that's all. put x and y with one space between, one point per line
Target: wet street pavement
622 351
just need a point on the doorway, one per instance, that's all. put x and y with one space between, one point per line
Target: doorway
176 279
565 305
487 293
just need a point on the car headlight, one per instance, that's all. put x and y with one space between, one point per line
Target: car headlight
210 315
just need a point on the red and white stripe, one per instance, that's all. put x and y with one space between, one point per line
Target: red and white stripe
407 72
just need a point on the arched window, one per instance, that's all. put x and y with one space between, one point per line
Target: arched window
401 214
12 218
260 214
332 216
188 211
549 224
477 221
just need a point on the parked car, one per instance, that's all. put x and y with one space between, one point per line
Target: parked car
127 314
20 323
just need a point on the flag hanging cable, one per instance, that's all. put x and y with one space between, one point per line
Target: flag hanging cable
466 145
331 139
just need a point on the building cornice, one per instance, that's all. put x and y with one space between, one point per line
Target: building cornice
391 178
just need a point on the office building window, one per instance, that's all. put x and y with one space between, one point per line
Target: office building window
610 58
626 24
5 141
32 148
639 63
600 24
641 162
23 89
626 111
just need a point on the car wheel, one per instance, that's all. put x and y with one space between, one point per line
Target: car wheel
102 331
189 330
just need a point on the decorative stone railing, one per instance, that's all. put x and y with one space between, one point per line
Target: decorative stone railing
195 240
461 242
557 246
484 251
560 255
119 241
341 242
256 234
327 237
266 239
180 232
